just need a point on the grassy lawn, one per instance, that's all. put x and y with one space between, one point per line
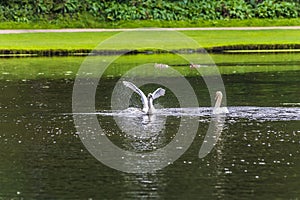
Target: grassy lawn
89 40
226 38
45 41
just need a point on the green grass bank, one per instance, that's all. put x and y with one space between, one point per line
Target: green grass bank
70 43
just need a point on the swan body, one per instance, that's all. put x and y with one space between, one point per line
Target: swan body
194 66
161 65
148 107
218 109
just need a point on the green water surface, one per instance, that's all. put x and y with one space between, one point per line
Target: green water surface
42 156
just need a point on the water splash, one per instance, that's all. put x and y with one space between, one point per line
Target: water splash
244 112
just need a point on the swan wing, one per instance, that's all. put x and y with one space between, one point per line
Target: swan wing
158 93
139 92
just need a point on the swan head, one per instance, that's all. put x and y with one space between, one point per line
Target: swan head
219 95
150 96
150 100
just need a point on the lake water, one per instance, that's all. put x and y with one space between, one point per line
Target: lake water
252 152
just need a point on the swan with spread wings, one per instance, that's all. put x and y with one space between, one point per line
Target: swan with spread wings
148 107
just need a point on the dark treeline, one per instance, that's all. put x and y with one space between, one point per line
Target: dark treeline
116 10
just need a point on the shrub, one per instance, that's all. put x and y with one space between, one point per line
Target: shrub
120 10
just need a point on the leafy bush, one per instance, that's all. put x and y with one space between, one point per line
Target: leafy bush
236 9
120 10
271 9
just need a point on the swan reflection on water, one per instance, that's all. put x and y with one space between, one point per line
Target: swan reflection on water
213 134
138 124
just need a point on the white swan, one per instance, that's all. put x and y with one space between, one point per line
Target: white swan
218 109
194 66
148 107
161 65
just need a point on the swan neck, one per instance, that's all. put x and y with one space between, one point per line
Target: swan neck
218 101
150 103
151 108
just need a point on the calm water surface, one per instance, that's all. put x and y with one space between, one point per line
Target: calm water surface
256 156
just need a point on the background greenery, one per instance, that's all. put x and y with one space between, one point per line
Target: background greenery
88 13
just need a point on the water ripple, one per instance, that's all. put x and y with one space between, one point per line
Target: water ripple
245 112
